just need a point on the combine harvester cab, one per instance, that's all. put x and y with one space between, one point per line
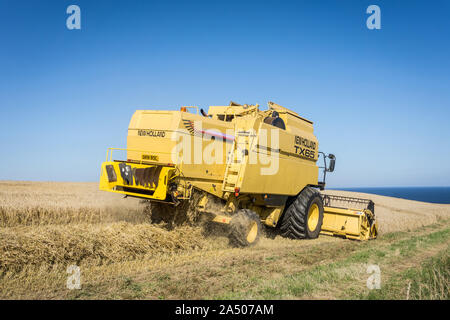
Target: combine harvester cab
164 164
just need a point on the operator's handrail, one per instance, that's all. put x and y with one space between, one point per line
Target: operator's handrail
192 107
110 151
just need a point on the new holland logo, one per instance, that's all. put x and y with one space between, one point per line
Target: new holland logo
152 133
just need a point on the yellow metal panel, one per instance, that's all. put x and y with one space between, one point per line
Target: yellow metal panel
156 133
349 223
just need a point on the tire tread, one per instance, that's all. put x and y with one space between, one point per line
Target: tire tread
294 221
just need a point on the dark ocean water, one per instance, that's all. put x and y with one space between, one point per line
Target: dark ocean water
426 194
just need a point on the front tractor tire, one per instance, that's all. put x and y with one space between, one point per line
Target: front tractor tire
245 228
304 216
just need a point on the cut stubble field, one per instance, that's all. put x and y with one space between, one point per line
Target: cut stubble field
47 226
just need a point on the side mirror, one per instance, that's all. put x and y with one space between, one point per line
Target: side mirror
332 162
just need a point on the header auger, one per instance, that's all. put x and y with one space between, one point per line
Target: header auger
242 166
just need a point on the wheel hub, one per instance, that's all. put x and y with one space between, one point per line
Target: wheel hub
313 217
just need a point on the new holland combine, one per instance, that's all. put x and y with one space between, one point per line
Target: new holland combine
240 166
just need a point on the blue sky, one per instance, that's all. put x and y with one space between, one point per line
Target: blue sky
380 99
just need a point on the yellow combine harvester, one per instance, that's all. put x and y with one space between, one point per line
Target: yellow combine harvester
243 166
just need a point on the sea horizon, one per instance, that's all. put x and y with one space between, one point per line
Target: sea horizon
431 194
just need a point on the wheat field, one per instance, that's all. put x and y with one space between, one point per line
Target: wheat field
46 226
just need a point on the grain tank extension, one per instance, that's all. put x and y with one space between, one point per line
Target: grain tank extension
237 165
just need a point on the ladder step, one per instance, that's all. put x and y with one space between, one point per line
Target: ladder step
235 157
232 179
